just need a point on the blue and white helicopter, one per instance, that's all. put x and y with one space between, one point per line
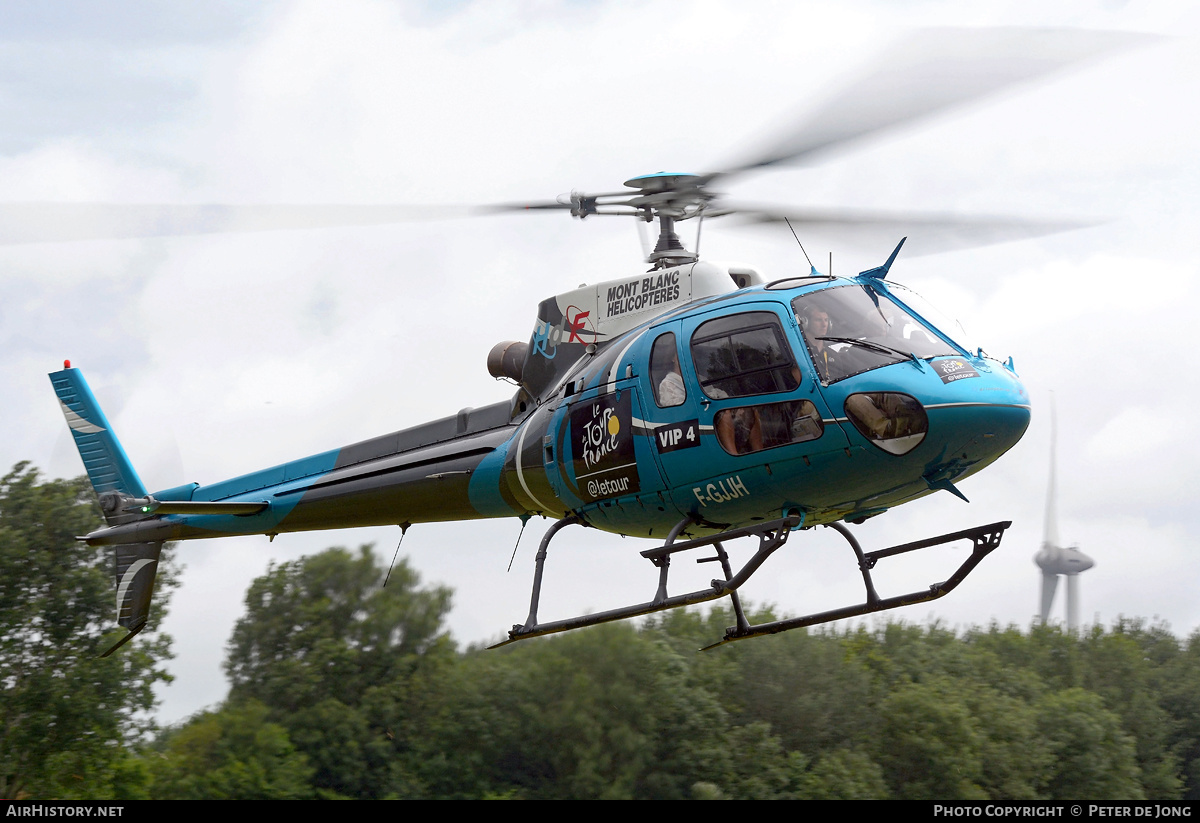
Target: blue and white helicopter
693 403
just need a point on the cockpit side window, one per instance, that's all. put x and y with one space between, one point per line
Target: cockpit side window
665 376
744 354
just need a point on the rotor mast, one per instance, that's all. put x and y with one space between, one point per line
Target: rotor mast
665 196
669 250
670 197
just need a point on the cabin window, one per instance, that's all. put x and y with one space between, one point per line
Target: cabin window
743 354
665 375
750 429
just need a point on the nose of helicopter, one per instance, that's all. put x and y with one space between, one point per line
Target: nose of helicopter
960 414
992 430
977 420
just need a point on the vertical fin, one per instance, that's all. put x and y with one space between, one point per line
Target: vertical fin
104 459
114 478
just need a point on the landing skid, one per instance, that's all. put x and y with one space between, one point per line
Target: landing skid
771 535
983 538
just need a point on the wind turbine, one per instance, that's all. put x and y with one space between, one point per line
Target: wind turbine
1053 558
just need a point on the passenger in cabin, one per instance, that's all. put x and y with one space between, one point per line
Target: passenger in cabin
886 415
739 431
664 368
670 390
778 424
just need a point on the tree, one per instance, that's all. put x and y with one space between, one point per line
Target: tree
329 650
1121 666
605 712
1179 685
803 684
65 715
325 627
1092 756
930 745
232 754
844 774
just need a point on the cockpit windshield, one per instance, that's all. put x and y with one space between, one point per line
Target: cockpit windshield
853 329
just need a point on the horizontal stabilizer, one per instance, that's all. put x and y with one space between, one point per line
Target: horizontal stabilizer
152 505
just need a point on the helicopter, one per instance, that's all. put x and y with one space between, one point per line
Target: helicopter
693 403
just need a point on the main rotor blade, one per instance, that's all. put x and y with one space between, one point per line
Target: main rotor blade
927 233
932 71
533 205
61 222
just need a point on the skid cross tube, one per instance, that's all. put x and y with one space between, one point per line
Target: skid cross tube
983 538
771 535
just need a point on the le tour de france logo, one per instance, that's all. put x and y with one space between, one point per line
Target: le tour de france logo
602 447
952 369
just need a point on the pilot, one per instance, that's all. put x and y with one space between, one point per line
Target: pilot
816 325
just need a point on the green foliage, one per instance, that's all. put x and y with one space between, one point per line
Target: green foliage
930 746
235 753
605 713
805 686
1177 683
843 774
330 651
67 717
1014 758
1093 757
331 613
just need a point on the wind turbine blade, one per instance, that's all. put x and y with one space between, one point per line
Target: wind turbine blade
1049 585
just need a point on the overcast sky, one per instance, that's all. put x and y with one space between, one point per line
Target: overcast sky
218 355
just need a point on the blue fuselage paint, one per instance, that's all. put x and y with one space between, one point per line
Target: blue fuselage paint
485 487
